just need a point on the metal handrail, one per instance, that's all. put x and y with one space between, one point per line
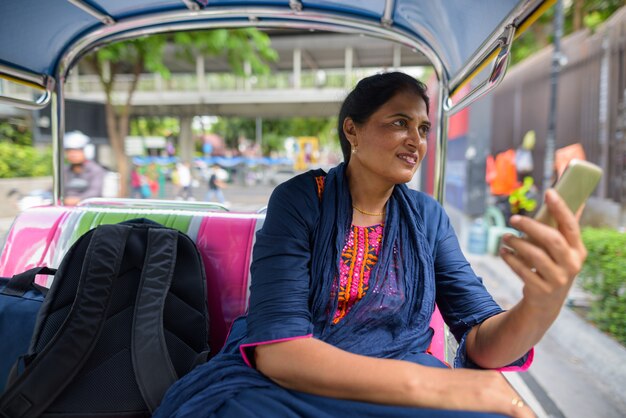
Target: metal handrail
41 102
501 47
525 12
496 49
152 204
32 80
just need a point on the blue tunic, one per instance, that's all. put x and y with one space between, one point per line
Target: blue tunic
420 263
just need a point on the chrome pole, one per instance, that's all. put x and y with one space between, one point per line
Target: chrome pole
57 114
548 161
442 142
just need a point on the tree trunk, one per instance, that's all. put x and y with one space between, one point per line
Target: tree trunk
116 136
578 15
117 144
123 124
117 121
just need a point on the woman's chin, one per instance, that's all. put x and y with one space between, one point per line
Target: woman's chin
406 177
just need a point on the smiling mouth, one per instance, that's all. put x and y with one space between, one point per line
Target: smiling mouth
409 158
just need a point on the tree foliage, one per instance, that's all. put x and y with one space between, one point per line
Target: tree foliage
145 54
579 14
155 126
604 275
232 128
24 161
16 132
18 158
276 130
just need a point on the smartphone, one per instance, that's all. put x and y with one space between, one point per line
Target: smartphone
574 186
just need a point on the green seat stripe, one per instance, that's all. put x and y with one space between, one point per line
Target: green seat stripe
90 220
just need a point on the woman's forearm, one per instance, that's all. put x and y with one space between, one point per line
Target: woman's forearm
504 338
313 366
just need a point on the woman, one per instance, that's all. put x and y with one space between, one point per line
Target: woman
346 271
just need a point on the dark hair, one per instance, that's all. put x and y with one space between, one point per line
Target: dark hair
369 95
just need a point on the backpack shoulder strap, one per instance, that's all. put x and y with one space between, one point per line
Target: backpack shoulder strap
58 363
152 364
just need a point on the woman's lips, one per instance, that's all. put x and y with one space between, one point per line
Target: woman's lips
408 158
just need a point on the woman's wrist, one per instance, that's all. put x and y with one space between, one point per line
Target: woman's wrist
539 311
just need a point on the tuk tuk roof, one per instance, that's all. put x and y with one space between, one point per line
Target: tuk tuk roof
35 35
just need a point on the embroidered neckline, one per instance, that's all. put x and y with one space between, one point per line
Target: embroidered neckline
359 255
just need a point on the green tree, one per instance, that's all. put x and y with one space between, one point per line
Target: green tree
231 128
579 14
155 126
146 54
275 131
16 131
24 161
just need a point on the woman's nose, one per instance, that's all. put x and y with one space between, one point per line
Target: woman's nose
413 138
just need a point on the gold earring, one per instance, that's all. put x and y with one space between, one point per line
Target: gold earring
354 149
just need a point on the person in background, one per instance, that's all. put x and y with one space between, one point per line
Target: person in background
135 182
82 178
217 182
184 180
152 177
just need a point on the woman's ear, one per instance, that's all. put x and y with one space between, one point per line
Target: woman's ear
349 129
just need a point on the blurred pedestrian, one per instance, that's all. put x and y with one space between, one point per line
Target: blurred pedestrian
217 182
82 178
135 183
184 180
152 177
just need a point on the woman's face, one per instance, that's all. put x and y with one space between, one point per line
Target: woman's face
392 142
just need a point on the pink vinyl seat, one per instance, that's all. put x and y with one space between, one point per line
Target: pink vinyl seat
41 236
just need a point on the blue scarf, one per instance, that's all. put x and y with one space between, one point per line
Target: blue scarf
393 317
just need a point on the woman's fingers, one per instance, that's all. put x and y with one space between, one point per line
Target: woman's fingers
543 236
507 400
567 222
547 259
523 268
553 242
537 260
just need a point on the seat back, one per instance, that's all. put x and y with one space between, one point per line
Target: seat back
41 236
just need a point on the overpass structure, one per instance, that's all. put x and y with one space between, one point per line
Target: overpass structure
310 78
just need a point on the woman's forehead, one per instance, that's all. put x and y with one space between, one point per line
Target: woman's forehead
405 102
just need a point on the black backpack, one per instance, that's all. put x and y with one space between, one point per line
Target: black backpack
125 317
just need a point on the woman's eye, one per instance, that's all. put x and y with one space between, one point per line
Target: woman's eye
399 122
424 130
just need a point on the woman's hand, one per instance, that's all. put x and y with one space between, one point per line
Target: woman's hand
549 259
486 391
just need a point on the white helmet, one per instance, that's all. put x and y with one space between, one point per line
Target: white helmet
75 140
